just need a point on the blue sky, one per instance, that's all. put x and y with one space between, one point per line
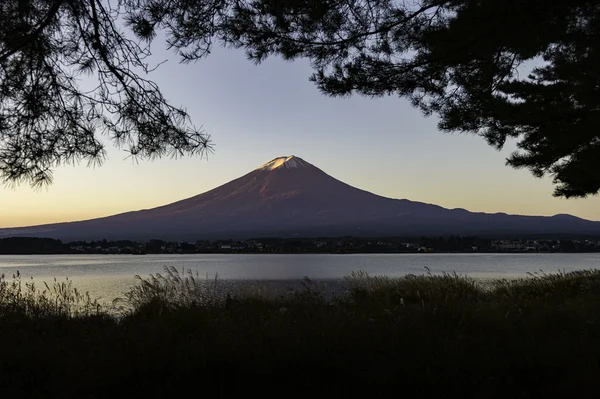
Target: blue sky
256 113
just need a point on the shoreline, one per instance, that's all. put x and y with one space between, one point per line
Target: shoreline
309 253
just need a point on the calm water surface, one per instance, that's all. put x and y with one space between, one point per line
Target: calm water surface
107 276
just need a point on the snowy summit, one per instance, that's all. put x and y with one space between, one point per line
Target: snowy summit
285 162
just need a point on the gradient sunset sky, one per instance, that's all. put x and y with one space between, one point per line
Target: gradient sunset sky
257 113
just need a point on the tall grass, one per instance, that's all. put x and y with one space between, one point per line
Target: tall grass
416 336
558 286
414 289
59 298
172 290
175 290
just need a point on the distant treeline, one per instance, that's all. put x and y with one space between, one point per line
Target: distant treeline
31 246
456 244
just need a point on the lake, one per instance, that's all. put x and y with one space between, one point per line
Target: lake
107 276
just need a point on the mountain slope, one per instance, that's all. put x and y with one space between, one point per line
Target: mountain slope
289 196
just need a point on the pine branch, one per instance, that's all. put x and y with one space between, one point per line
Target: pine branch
52 12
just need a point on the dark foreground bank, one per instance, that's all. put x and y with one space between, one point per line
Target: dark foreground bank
172 336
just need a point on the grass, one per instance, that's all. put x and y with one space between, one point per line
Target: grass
20 298
174 334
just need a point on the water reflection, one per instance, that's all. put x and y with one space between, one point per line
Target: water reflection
107 276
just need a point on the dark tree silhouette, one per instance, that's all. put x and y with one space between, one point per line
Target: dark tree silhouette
459 59
464 60
47 118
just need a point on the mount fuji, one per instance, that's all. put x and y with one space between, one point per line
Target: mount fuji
291 197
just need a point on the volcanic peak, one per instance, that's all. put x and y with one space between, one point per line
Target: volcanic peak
288 162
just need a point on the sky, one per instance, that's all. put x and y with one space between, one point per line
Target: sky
255 113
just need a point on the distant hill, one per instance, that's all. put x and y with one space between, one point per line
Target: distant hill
291 197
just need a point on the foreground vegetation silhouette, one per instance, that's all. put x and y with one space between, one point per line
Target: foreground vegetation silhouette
419 335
